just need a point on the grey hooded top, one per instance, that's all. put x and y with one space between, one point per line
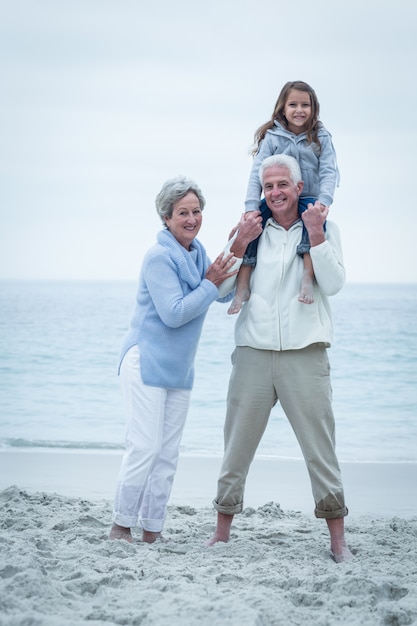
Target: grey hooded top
319 170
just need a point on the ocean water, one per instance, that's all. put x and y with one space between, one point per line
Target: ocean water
59 343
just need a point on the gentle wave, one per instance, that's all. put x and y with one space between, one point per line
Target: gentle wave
23 445
67 445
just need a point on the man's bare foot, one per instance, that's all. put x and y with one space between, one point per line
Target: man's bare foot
238 300
150 537
120 532
338 545
307 291
222 533
216 538
343 554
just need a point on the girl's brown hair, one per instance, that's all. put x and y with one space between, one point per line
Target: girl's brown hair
278 114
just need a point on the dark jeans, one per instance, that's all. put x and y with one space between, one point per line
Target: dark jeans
304 245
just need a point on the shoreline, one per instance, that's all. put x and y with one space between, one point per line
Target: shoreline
372 489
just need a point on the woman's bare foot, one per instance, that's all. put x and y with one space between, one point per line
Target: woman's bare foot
120 532
150 537
237 302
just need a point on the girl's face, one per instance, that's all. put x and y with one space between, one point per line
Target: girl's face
297 111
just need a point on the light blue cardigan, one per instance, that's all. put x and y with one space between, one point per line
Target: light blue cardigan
172 300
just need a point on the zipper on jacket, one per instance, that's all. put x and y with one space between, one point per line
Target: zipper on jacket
283 268
283 272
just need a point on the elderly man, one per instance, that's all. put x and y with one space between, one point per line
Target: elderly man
281 354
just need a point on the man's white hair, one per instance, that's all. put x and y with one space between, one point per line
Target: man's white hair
282 160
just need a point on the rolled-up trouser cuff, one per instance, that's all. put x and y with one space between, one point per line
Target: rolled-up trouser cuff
228 510
331 514
249 260
124 520
152 525
303 248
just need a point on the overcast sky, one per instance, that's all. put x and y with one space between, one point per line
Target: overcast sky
102 100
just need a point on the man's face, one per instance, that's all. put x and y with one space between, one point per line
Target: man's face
281 193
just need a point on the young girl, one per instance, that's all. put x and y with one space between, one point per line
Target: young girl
294 129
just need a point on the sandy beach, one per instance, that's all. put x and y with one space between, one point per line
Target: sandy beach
58 568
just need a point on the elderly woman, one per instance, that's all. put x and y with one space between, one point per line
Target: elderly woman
176 287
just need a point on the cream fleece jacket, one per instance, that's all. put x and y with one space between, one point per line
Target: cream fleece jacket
273 318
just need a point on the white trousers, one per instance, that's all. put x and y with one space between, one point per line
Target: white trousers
155 423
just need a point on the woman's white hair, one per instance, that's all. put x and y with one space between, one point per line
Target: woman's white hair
173 190
281 160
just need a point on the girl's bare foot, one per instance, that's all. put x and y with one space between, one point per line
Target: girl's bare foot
307 289
306 293
237 302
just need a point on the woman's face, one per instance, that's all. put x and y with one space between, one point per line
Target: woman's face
186 219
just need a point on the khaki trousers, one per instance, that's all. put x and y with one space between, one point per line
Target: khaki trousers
300 381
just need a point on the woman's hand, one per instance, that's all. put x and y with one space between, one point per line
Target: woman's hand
220 269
